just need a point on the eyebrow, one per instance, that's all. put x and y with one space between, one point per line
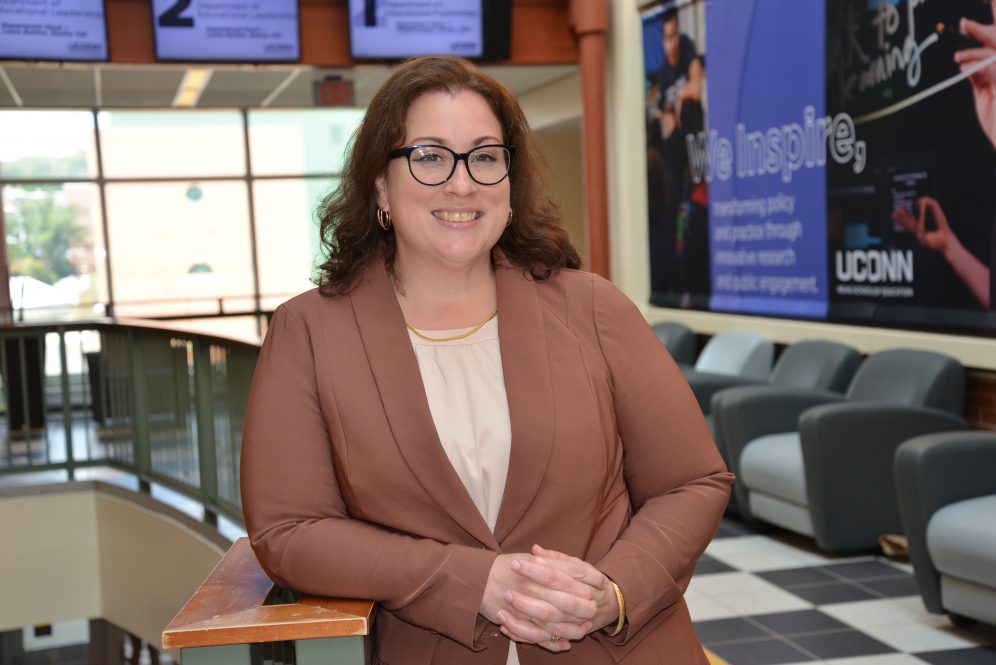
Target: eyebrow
421 140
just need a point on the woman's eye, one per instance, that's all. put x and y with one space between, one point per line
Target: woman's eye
428 157
485 157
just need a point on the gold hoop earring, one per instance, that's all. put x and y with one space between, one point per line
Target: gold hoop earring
509 222
383 219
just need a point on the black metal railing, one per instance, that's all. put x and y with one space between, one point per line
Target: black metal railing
166 405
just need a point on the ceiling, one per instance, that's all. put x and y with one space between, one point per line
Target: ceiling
60 85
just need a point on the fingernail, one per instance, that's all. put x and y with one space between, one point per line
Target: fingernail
501 617
515 565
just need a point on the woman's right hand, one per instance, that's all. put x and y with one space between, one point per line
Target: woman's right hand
548 609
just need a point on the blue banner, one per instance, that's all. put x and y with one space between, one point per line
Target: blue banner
764 156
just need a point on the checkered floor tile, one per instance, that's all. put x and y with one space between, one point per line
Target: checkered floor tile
762 596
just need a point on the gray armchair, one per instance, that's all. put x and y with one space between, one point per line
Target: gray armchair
734 357
946 486
819 463
812 364
679 340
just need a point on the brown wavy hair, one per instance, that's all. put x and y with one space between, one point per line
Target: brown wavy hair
536 241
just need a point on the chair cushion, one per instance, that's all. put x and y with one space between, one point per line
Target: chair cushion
679 340
737 353
773 465
961 539
910 376
816 364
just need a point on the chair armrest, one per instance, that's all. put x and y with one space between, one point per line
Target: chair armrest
848 453
740 415
931 472
706 384
744 413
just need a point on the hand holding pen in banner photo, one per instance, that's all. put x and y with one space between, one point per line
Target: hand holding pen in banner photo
984 80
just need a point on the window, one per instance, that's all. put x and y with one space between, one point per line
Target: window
208 212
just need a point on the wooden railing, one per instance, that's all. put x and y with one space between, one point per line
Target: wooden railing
238 616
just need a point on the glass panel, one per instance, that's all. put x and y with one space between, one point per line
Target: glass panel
178 248
150 144
47 144
240 328
56 251
287 235
300 142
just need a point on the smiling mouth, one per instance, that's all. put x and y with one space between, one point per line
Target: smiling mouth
461 217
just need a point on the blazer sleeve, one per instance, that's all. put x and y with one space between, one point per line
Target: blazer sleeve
299 524
677 482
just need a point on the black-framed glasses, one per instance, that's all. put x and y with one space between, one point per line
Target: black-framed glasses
435 164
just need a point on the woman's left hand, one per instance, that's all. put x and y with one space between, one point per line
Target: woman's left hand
567 599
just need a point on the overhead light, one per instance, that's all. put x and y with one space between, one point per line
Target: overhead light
195 79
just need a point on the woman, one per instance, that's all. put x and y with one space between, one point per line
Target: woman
456 394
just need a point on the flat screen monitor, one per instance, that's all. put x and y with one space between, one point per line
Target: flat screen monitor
69 30
396 29
226 30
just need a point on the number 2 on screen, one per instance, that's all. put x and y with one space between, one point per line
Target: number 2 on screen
171 17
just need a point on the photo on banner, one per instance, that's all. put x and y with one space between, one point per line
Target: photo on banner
911 236
675 102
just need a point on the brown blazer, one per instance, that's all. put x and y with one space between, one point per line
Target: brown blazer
348 492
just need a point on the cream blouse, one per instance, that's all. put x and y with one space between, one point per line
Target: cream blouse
465 387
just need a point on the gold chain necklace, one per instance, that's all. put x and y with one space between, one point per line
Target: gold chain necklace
454 337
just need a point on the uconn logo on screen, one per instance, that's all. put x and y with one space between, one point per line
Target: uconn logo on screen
875 266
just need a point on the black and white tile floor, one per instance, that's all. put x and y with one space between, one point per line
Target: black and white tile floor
762 596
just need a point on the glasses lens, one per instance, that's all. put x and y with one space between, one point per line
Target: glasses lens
431 165
488 164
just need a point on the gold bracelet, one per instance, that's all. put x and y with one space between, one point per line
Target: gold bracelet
622 609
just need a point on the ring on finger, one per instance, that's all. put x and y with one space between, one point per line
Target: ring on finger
554 637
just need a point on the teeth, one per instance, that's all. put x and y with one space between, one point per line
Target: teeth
460 217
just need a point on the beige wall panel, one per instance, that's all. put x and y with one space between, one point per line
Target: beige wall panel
79 553
554 103
563 152
149 566
49 559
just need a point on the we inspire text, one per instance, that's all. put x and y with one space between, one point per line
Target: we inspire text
776 150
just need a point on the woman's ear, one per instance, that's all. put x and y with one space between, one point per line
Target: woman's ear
381 185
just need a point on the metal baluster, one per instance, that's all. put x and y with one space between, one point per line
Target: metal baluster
67 407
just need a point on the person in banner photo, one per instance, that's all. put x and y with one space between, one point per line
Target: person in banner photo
678 209
979 278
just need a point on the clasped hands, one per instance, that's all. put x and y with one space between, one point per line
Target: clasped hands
547 598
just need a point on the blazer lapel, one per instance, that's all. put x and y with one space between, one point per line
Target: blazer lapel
395 369
526 365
